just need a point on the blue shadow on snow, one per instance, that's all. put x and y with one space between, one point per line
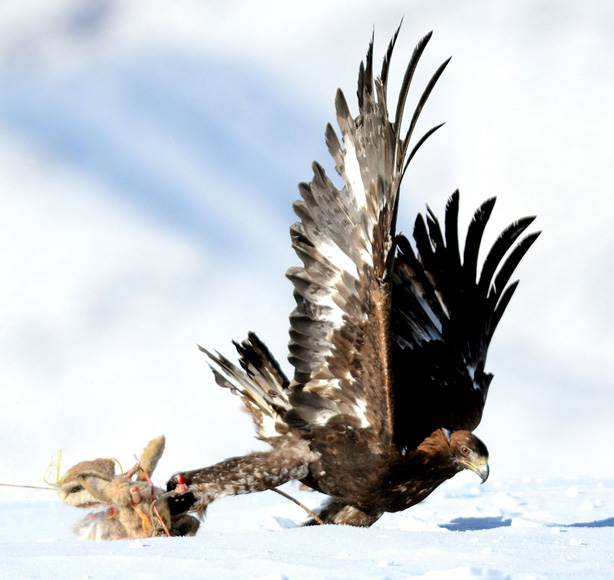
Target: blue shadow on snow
472 524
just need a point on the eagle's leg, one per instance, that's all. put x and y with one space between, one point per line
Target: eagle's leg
257 471
337 512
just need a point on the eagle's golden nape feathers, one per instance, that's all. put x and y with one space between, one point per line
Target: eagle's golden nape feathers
388 338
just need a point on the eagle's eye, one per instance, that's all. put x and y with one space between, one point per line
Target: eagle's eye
464 450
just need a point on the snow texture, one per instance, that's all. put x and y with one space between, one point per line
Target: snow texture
518 530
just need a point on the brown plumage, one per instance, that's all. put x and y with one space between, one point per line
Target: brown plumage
388 342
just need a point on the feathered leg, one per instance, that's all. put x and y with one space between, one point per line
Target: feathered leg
337 512
258 471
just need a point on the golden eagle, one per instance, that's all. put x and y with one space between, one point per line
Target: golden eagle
388 342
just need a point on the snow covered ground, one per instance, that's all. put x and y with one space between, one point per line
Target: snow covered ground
524 529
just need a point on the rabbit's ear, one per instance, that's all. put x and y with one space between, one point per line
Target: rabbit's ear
151 455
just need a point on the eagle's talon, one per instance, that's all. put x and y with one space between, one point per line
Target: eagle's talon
179 503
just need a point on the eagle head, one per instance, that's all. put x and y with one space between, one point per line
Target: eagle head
469 452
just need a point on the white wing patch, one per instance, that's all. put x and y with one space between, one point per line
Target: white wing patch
267 429
353 175
336 256
360 411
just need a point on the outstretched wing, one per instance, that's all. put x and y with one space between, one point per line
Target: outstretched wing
340 329
443 319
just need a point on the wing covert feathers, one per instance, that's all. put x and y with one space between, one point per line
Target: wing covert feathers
339 336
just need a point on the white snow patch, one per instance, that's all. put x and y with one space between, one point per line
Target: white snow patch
464 573
252 536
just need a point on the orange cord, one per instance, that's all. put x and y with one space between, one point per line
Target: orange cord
27 486
153 505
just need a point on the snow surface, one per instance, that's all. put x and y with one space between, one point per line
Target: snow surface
524 529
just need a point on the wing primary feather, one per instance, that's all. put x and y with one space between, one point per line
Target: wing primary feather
423 243
451 230
419 144
403 93
475 231
365 79
425 95
503 243
510 264
502 305
388 57
334 147
344 117
435 233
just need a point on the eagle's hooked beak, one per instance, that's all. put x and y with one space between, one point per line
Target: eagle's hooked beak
480 467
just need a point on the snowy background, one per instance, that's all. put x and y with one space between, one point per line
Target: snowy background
149 156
